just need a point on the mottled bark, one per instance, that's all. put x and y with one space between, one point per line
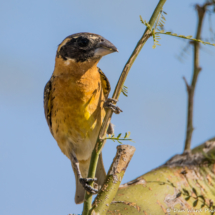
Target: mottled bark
113 180
183 185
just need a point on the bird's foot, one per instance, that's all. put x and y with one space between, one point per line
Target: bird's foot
109 103
87 187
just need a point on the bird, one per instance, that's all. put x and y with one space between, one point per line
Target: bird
75 103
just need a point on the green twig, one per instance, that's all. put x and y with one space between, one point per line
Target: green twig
119 138
116 94
115 138
185 37
156 37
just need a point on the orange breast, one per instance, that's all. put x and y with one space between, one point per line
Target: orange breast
77 112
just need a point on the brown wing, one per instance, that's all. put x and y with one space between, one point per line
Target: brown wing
106 89
105 83
47 103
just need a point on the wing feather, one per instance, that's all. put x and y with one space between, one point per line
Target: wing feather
48 103
105 83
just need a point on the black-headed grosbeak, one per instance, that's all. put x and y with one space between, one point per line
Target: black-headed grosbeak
74 99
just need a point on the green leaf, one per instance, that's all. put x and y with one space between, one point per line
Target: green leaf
119 142
162 183
195 203
119 135
194 190
202 197
126 134
202 205
178 195
125 94
124 91
187 198
186 192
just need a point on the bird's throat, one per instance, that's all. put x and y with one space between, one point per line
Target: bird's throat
71 67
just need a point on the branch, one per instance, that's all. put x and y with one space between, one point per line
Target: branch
183 185
118 90
113 179
196 69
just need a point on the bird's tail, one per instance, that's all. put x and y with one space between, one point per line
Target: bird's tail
100 175
100 171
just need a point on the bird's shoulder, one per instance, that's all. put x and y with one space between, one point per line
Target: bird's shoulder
105 83
47 101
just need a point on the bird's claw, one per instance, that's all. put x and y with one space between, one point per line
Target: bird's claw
109 104
87 187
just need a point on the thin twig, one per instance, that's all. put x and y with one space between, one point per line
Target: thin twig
196 69
187 85
118 89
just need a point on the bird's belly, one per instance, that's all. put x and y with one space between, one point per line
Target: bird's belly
76 118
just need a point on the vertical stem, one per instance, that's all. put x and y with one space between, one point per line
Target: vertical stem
91 174
117 91
196 70
137 50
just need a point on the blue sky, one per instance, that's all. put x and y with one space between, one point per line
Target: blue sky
36 178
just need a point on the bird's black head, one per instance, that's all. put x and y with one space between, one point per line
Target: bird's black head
84 46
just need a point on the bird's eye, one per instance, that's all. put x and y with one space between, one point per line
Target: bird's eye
83 42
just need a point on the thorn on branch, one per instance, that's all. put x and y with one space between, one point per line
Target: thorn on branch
202 9
199 69
191 129
187 85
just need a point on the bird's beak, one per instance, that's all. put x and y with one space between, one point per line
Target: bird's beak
103 48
